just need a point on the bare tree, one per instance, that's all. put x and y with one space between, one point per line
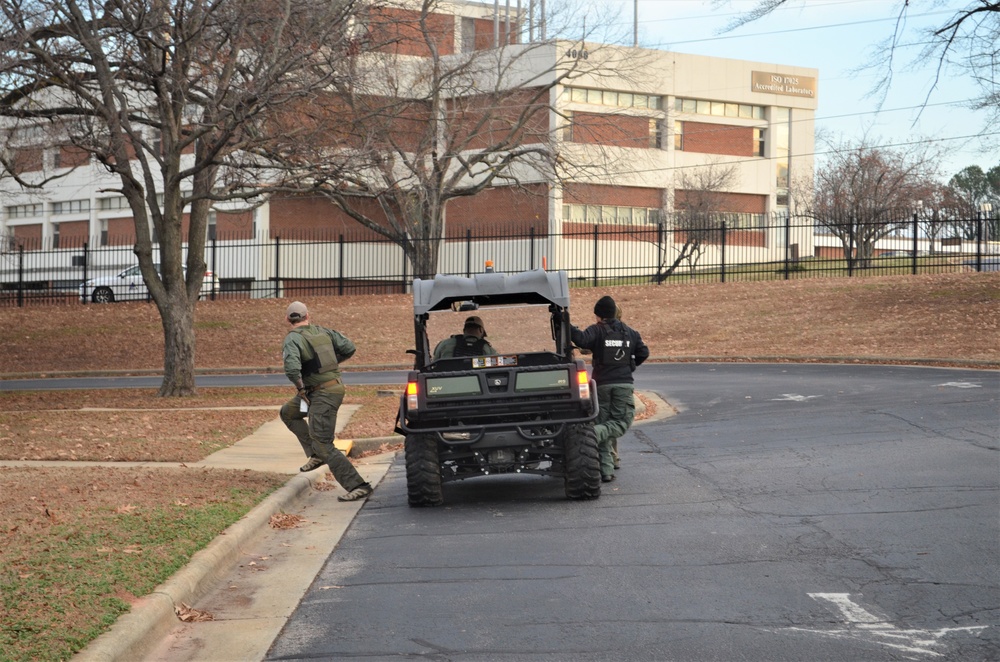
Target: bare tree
170 97
699 199
432 121
865 191
936 208
967 41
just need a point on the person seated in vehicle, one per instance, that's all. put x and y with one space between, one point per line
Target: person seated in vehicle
471 342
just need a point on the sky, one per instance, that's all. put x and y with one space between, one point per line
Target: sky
837 38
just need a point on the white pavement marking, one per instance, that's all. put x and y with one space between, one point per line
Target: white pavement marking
794 397
861 624
961 385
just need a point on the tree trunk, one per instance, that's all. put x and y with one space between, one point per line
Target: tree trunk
866 251
178 346
424 258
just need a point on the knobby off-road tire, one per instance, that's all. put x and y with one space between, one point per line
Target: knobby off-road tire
582 462
423 471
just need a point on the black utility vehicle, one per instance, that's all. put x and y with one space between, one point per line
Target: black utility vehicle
526 412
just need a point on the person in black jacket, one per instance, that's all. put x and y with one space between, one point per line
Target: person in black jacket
616 351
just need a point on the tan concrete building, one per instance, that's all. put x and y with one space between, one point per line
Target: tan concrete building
653 137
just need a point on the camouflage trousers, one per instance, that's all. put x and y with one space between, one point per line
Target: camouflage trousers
617 411
316 436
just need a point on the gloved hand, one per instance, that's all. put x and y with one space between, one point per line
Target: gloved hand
303 392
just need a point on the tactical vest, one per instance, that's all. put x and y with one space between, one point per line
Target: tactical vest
615 346
324 358
469 345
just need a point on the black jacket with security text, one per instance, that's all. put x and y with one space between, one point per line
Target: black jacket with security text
617 349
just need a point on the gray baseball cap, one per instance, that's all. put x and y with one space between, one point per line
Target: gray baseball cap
296 312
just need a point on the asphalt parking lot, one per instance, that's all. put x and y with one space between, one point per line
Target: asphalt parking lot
786 512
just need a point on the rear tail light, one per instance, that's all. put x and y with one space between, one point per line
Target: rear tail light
411 395
584 381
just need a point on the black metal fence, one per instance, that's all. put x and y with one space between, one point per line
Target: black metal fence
681 250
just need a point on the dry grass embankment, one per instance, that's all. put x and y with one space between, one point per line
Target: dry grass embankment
81 544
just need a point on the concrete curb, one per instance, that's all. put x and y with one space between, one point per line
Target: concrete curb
152 617
874 360
373 444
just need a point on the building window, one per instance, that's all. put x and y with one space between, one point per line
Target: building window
567 131
23 211
655 133
108 204
468 34
211 225
679 135
718 108
71 207
104 231
55 235
610 214
614 98
758 142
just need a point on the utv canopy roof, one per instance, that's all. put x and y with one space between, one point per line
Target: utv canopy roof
491 289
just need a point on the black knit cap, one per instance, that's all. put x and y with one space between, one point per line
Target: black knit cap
605 308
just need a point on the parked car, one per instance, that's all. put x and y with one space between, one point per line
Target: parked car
986 263
128 285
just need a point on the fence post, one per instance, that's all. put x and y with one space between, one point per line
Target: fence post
850 246
914 259
531 255
723 252
595 254
215 274
979 241
20 275
788 247
340 270
86 264
277 265
659 252
468 252
403 282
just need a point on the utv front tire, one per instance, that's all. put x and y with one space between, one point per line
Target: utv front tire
582 462
423 471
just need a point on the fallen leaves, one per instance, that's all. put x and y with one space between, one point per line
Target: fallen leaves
325 485
285 521
188 614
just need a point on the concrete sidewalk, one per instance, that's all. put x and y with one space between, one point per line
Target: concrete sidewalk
252 576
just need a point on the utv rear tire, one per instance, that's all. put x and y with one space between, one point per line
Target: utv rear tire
423 471
582 462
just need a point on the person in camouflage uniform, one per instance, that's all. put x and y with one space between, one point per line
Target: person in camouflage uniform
312 356
471 342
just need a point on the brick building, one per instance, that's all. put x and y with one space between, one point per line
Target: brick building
689 112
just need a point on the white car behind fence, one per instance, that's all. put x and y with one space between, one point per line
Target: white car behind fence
128 285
